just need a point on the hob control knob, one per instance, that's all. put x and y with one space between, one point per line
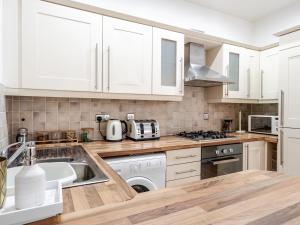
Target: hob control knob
218 152
225 151
231 150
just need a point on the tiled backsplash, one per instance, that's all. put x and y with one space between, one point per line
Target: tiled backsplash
41 113
3 122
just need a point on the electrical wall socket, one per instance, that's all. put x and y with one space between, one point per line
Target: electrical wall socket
130 116
205 116
102 117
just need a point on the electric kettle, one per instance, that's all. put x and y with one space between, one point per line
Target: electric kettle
114 130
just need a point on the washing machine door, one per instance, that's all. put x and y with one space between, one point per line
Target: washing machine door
141 184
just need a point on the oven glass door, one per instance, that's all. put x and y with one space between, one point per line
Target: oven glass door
221 166
261 124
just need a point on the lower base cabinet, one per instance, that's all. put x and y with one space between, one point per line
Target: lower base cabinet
174 183
183 166
254 156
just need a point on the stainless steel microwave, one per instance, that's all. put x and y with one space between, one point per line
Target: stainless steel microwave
263 124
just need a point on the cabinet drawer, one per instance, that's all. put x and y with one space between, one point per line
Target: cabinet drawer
183 156
183 170
175 183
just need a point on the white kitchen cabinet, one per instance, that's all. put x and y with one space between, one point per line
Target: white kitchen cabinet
289 154
269 74
183 166
127 57
235 68
289 67
168 62
61 47
252 82
241 66
254 154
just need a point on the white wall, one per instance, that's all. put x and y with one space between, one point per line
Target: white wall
189 15
269 25
182 14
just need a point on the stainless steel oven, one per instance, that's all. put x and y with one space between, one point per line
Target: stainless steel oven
221 160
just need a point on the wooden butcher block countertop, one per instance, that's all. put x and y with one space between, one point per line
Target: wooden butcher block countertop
128 147
89 199
250 197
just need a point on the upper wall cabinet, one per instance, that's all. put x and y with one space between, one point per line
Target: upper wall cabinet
255 74
269 74
241 66
61 47
252 81
127 57
168 64
234 68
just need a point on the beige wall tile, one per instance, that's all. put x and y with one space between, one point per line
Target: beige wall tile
51 106
25 105
63 106
39 106
75 113
51 121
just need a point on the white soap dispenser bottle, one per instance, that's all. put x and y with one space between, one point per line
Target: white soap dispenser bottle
30 183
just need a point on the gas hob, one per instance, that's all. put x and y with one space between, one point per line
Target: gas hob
204 135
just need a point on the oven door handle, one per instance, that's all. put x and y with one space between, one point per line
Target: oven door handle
225 161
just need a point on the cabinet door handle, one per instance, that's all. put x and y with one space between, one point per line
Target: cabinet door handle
227 85
249 82
281 107
186 171
181 74
186 156
108 67
225 161
281 148
262 84
96 66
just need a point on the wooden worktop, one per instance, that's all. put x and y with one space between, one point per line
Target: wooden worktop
128 147
250 197
88 199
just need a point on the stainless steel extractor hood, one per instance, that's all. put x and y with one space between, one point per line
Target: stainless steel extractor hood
196 72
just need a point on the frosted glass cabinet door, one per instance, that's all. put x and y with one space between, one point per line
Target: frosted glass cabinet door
234 71
61 47
168 50
234 68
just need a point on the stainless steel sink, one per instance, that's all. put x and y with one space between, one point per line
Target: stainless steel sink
83 171
86 169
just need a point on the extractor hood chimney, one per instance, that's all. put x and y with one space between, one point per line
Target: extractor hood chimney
197 74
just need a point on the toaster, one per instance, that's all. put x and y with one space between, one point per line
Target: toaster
140 130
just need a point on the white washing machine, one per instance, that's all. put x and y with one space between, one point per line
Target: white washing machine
142 172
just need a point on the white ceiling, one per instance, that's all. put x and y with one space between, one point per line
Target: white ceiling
250 10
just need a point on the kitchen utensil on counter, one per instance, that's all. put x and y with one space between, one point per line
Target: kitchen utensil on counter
227 126
30 182
55 135
240 131
86 134
3 172
69 135
140 130
114 130
52 206
22 134
42 136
